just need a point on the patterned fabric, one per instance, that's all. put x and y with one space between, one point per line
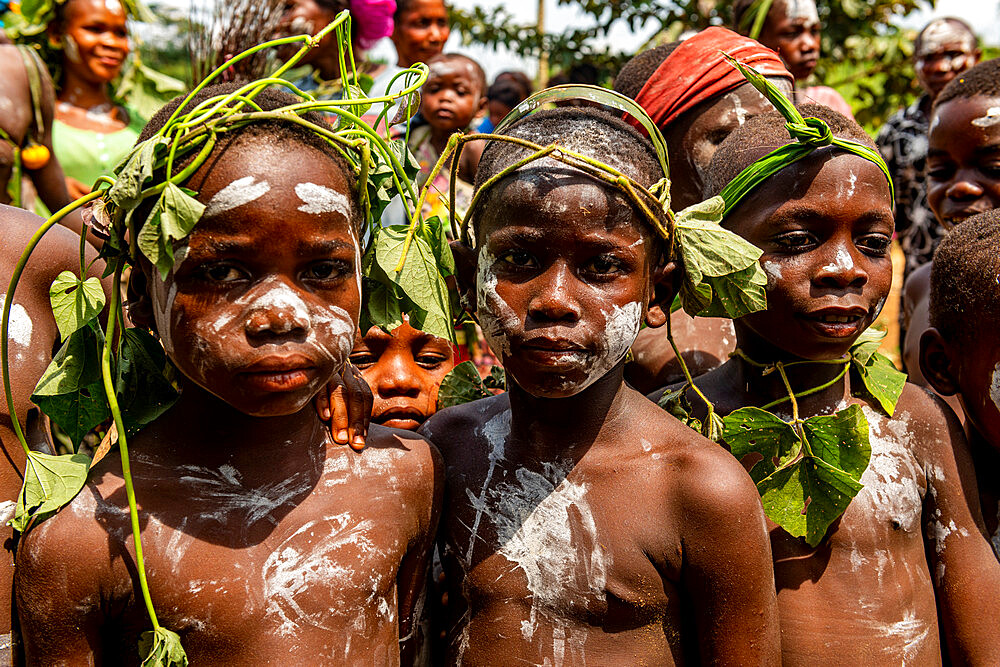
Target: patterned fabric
903 144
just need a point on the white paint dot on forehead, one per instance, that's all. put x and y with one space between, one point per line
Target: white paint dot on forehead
319 199
114 6
991 118
240 192
937 35
802 9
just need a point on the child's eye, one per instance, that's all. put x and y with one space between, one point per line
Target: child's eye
363 359
940 172
604 265
876 245
327 270
429 361
519 258
224 273
794 241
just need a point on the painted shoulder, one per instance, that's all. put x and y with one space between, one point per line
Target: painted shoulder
453 427
926 414
400 452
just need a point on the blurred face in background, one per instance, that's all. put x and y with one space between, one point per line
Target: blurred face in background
94 36
943 50
792 29
420 31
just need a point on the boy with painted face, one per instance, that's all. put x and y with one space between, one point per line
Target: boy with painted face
696 99
909 545
404 369
963 178
959 358
944 49
264 541
792 29
584 524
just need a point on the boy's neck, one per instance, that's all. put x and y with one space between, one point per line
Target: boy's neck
439 138
558 427
201 429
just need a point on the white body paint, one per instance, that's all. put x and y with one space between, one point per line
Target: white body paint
773 270
802 9
240 192
20 326
842 261
495 431
938 33
6 511
741 113
495 316
319 199
995 386
114 6
991 118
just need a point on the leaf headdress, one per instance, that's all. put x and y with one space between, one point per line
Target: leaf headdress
810 468
101 374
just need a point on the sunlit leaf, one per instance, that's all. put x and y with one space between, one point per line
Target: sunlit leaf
50 482
75 302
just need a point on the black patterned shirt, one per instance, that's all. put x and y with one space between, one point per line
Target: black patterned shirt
903 144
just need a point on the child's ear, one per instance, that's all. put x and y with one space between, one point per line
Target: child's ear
664 283
138 305
466 265
936 363
483 101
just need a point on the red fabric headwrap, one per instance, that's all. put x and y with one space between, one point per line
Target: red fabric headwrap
696 71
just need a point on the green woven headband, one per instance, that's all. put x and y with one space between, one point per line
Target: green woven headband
811 134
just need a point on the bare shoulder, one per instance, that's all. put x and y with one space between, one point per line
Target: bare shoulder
453 428
925 414
58 250
399 452
917 286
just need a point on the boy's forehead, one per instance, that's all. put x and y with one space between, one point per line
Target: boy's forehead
943 35
979 115
451 67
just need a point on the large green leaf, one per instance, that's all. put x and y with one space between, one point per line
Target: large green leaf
75 302
461 385
180 213
151 241
841 440
420 279
134 173
162 648
71 391
50 482
144 393
721 273
881 380
752 430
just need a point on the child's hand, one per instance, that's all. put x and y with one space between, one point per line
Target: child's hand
351 400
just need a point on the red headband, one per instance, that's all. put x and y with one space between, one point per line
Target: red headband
696 71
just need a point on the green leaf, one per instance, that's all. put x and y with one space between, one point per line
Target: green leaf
161 648
880 380
151 241
382 309
71 391
867 344
407 109
75 302
133 174
721 273
420 280
144 393
841 440
497 379
180 213
50 482
752 430
461 385
435 231
358 93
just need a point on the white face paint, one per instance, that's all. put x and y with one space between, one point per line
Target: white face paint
318 199
114 6
842 261
937 36
240 192
802 9
19 326
995 386
495 316
773 271
738 110
991 118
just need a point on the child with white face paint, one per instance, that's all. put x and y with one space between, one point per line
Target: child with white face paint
257 525
960 353
541 557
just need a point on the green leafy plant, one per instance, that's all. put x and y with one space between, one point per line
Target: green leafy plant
110 372
463 384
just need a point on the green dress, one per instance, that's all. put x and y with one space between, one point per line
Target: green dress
86 155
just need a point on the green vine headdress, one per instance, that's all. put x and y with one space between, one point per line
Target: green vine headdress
100 374
810 469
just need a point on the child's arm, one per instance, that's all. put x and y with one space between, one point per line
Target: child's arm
413 570
727 571
966 574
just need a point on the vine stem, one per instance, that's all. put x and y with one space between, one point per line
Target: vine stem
796 421
9 301
687 374
111 394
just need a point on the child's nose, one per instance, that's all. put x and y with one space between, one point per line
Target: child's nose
277 311
842 270
396 378
964 187
553 299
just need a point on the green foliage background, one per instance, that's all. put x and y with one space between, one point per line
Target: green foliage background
866 56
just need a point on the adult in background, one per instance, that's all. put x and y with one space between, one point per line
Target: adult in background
945 48
792 29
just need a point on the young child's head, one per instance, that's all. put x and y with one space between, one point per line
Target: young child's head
791 28
261 305
963 146
696 111
420 29
824 225
455 92
501 97
404 368
945 48
961 353
566 267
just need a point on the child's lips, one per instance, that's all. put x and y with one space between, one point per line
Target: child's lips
280 374
555 353
837 322
404 418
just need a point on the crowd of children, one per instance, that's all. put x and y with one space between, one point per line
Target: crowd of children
692 460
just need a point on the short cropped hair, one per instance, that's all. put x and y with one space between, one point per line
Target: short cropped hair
980 80
965 279
273 132
762 134
477 69
506 92
637 71
588 130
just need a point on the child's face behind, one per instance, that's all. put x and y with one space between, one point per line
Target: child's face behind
420 32
262 304
792 29
824 225
979 380
565 273
963 159
451 97
404 370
